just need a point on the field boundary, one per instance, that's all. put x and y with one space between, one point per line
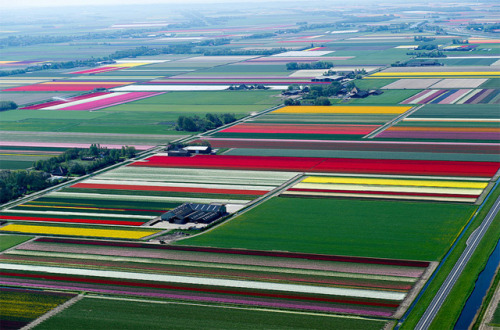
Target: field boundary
392 122
52 312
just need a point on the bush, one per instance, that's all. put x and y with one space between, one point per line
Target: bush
210 121
7 105
322 101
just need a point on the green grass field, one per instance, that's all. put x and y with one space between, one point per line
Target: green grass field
255 97
10 164
369 228
155 115
8 241
449 312
491 83
496 317
373 83
467 61
91 313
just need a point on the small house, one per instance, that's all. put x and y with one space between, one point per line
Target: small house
178 153
59 171
205 150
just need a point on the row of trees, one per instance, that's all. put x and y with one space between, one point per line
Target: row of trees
484 27
187 48
14 184
316 91
71 159
203 124
308 66
320 94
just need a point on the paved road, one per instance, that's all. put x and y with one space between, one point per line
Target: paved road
457 270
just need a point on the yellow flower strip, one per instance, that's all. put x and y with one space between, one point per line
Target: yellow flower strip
344 109
397 182
398 189
78 231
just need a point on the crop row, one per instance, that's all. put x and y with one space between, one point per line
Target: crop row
21 306
388 188
326 165
131 196
455 96
90 102
295 281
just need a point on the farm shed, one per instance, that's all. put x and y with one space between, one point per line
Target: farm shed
196 213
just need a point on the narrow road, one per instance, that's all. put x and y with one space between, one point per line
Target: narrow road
457 270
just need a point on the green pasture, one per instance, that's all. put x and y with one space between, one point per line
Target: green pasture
8 241
466 61
264 97
19 161
76 137
92 313
245 69
156 115
371 57
491 83
452 307
373 83
351 227
496 317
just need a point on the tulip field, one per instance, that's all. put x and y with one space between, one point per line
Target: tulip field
455 96
315 123
21 306
67 86
354 155
132 196
91 102
449 123
325 165
364 286
437 190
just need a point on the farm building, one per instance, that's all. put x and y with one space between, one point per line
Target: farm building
196 213
178 153
328 78
198 149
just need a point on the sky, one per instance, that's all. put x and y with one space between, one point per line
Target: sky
61 3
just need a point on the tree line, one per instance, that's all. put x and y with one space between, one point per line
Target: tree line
14 184
308 66
97 157
203 124
188 48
